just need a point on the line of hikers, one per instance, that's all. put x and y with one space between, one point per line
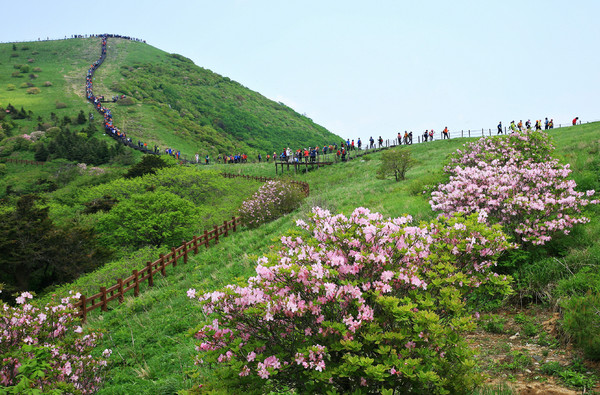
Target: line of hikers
548 124
109 126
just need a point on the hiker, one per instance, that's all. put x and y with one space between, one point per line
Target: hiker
259 158
425 135
359 143
546 124
399 138
575 120
445 131
197 157
500 128
431 135
206 160
371 142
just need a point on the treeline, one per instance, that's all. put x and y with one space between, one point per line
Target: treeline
70 137
36 253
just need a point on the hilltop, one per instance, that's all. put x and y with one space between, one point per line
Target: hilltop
171 101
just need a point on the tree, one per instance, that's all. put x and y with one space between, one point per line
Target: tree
148 165
156 219
34 253
395 162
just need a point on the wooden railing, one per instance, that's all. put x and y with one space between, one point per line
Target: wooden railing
303 185
118 290
22 161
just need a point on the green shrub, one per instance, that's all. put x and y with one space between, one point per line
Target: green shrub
24 69
581 321
37 69
494 324
33 91
127 101
10 87
47 83
60 105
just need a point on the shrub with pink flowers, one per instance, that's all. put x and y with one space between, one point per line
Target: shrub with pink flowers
45 350
274 199
357 304
516 183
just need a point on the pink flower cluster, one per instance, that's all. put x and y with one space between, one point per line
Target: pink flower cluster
53 327
514 181
325 288
273 199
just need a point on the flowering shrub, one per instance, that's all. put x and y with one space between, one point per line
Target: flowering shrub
516 183
356 304
46 349
274 199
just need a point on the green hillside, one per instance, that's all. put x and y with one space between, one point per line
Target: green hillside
152 333
93 224
174 102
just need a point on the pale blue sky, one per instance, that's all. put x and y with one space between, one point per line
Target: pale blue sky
366 68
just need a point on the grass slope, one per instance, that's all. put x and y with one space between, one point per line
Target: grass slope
177 104
151 334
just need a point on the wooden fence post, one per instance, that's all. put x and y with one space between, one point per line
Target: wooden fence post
150 275
234 224
103 298
174 252
225 232
136 287
120 281
216 234
83 308
206 238
162 264
185 251
195 245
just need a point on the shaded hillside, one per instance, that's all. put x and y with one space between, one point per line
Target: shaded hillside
173 103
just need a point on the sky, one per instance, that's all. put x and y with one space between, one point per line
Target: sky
366 68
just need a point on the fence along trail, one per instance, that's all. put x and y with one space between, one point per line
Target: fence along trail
147 273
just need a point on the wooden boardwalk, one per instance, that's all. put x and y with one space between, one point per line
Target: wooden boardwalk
303 166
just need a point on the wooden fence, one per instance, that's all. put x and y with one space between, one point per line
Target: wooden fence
303 185
23 161
117 291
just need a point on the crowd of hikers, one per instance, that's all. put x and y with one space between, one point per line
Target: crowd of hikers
97 101
339 152
548 124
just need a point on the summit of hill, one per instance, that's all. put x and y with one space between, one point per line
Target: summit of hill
170 101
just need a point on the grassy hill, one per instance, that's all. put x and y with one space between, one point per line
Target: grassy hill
152 333
175 103
183 106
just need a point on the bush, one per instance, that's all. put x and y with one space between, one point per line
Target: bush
10 87
150 219
33 91
273 199
356 304
127 101
581 321
47 83
516 183
37 69
395 162
45 349
60 105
